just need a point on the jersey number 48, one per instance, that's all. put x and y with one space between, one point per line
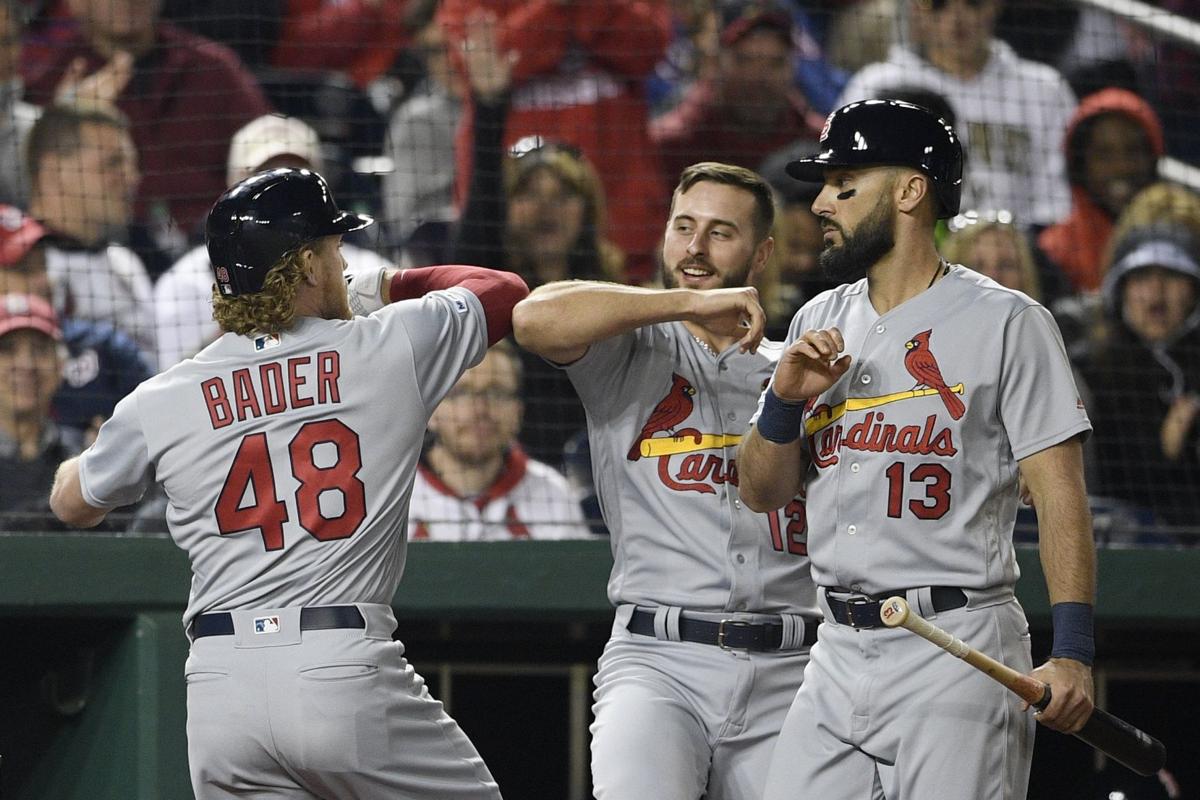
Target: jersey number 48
251 469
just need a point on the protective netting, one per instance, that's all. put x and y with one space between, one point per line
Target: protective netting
545 138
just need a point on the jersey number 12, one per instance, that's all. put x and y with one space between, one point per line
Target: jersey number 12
252 469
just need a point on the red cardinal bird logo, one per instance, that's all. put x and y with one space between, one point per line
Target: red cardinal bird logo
921 364
670 411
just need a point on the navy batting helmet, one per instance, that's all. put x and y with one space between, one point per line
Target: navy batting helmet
890 133
266 216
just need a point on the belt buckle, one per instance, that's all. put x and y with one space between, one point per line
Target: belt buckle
735 623
859 601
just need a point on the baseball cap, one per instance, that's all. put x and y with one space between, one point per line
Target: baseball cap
741 18
28 311
18 234
870 133
1166 250
267 137
1159 253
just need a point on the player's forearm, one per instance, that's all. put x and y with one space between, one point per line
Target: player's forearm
1068 553
1066 546
769 474
559 321
1067 550
66 498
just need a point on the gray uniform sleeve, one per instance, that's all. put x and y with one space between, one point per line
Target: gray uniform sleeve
1039 404
115 470
597 377
448 331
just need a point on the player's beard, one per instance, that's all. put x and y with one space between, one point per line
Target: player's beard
732 279
873 239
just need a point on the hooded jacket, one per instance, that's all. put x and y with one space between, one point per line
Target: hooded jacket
1076 244
1133 385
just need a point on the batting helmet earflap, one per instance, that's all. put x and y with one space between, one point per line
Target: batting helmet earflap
266 216
890 133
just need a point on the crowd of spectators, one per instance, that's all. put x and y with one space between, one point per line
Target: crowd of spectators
543 137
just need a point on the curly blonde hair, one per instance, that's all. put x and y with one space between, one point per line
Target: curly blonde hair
272 310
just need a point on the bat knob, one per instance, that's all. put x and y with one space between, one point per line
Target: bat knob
1043 701
894 611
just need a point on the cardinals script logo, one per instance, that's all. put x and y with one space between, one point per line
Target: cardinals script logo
691 461
696 471
874 433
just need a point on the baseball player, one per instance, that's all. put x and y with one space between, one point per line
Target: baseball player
907 403
183 320
287 450
715 607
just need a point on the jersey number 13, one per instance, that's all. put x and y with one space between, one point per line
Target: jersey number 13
936 480
252 469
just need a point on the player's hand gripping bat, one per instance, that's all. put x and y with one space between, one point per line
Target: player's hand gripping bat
1114 737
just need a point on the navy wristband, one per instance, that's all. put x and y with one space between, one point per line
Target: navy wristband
780 422
1073 636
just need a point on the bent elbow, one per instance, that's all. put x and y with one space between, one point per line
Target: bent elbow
756 501
66 515
763 492
75 512
515 287
529 324
522 322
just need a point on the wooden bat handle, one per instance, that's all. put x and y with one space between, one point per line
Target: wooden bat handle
896 613
1111 735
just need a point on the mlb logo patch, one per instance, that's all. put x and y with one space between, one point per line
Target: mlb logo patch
11 218
460 305
17 305
266 625
266 342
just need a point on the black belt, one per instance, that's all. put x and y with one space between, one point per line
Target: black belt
729 634
313 618
863 612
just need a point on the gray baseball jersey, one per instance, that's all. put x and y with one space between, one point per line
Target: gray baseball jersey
914 450
288 461
678 720
913 484
664 419
288 465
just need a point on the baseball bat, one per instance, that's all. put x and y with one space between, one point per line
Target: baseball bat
1116 738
